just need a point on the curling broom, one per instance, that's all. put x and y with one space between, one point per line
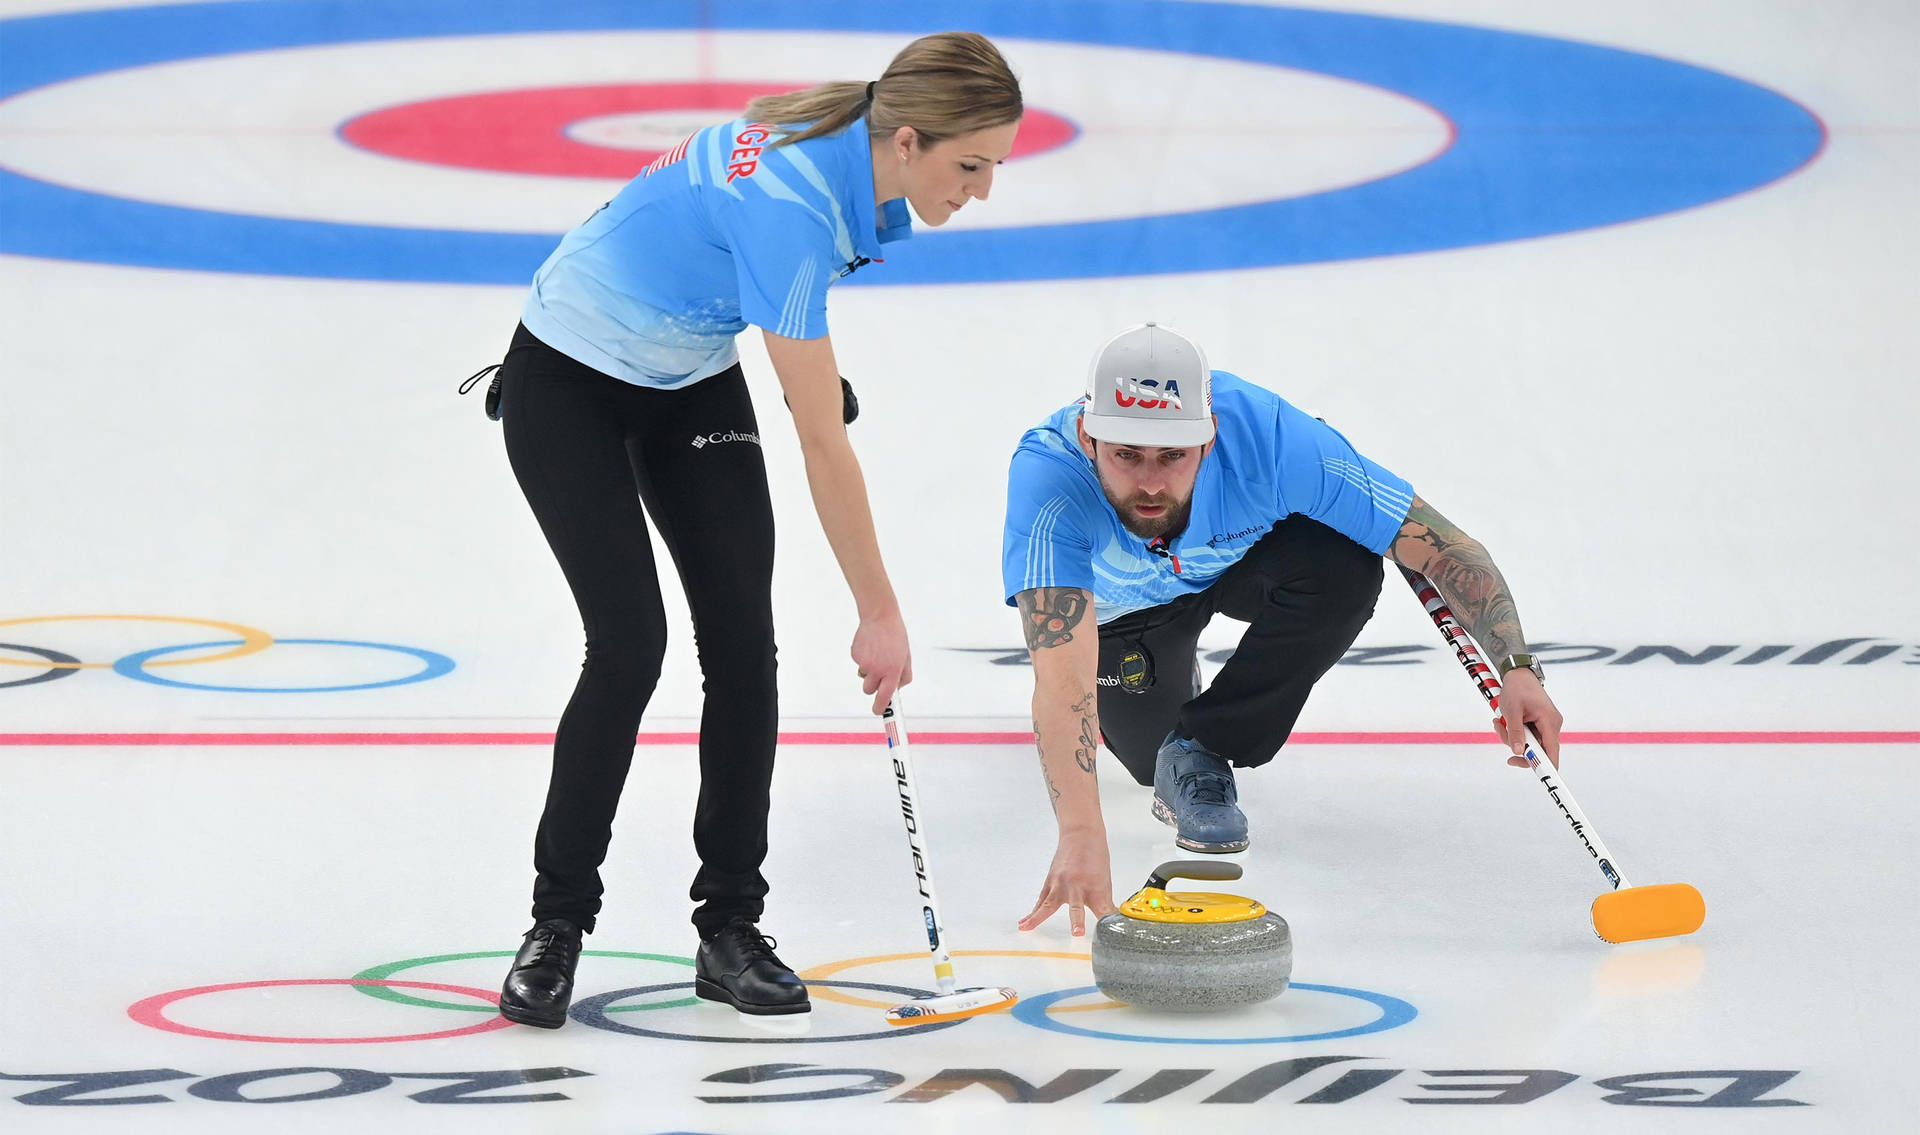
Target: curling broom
1626 913
950 1004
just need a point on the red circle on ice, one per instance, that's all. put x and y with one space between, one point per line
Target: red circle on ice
597 131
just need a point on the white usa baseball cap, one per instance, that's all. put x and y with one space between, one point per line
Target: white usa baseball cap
1149 385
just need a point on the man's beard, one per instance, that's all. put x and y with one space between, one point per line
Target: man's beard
1170 523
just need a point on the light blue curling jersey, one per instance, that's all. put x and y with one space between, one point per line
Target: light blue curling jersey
720 232
1271 460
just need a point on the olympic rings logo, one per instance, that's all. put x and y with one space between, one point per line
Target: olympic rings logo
1043 1011
246 641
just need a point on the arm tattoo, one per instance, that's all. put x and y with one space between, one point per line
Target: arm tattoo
1089 745
1050 614
1465 574
1053 790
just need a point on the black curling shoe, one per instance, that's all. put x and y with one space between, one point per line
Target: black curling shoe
540 985
737 967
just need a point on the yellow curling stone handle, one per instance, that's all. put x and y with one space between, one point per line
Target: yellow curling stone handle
1153 903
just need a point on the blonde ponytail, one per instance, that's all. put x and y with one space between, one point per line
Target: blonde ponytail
942 85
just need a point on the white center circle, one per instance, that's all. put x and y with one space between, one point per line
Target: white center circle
646 130
1160 132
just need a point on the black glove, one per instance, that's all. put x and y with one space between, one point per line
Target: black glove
849 405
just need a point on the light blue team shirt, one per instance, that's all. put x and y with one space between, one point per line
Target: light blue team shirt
1271 460
723 231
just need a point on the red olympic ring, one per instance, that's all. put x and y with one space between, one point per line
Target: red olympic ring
150 1012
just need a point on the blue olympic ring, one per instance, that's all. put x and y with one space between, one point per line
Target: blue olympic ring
592 1012
134 666
1552 136
1393 1013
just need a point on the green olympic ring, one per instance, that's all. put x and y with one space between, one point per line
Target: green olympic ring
388 969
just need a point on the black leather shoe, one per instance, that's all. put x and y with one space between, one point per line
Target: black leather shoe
737 967
540 985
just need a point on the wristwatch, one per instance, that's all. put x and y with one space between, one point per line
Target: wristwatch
1516 661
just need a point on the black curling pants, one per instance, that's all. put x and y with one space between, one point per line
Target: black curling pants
1306 589
588 449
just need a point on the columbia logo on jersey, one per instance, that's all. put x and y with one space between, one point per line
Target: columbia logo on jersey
701 441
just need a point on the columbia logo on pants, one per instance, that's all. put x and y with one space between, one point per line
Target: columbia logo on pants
701 441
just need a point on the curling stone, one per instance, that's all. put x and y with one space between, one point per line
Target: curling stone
1191 952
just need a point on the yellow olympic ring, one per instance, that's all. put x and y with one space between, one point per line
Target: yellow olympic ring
823 972
252 640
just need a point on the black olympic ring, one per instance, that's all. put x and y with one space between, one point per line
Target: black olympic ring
63 664
593 1013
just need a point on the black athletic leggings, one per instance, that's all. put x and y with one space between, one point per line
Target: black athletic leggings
588 449
1307 591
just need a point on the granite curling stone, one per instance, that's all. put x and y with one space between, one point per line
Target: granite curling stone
1191 952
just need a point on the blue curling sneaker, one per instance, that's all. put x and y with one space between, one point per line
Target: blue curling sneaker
1193 792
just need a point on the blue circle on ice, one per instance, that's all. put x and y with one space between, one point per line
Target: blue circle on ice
1553 136
1393 1013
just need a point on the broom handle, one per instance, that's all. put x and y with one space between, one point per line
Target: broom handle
917 843
1488 682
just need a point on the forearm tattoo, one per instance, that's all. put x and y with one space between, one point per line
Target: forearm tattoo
1050 614
1053 790
1465 575
1088 747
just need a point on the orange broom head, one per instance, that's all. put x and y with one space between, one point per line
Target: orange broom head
1633 914
952 1006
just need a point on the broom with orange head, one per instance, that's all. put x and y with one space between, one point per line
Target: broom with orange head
1626 913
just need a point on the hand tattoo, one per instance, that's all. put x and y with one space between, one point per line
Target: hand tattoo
1050 614
1464 573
